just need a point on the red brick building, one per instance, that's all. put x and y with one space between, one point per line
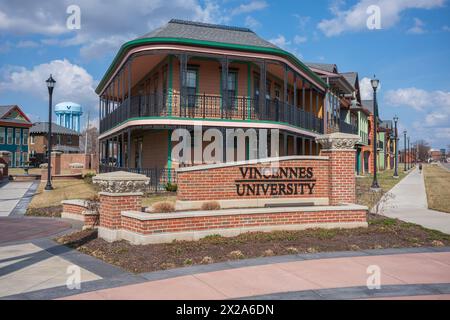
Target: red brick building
225 77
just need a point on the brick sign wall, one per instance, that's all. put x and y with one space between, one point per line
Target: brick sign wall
296 177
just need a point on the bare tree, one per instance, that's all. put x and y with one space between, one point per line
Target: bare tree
423 148
91 139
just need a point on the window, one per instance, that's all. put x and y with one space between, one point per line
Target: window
268 90
277 91
17 137
2 135
17 159
31 139
24 157
69 139
232 84
9 136
191 86
256 87
164 80
58 139
25 136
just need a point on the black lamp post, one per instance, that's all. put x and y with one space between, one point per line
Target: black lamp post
396 148
404 150
409 155
50 85
375 82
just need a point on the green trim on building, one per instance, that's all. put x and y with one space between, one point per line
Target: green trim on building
210 44
169 155
212 120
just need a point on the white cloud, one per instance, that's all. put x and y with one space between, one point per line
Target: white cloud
355 18
432 107
252 6
302 21
419 99
418 27
280 41
27 44
300 39
252 23
101 22
73 83
446 28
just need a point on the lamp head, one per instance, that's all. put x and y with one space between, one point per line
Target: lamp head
374 82
50 82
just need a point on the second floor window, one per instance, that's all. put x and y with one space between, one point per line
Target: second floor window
9 136
25 137
58 139
31 139
17 137
191 86
164 81
69 139
2 135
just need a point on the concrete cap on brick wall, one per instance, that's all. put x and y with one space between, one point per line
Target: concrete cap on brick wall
121 182
338 140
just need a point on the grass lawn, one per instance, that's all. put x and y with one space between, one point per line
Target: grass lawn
13 171
48 203
437 185
381 233
386 181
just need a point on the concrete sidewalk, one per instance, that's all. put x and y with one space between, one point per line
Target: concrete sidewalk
409 203
13 194
402 275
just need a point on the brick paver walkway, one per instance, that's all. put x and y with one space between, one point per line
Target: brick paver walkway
418 273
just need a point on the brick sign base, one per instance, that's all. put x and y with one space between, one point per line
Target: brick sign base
143 228
288 193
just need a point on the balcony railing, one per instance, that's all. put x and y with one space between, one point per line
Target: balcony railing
210 107
348 128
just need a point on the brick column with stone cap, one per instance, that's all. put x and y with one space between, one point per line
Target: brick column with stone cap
119 191
339 147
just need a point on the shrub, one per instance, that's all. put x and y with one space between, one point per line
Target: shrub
188 262
207 260
163 207
171 187
292 250
268 253
237 254
210 205
88 177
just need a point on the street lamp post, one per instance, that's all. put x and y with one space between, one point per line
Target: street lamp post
396 148
50 85
404 150
409 155
375 82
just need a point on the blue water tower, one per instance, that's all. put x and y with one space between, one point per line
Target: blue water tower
68 115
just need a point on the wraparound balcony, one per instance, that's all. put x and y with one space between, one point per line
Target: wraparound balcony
202 106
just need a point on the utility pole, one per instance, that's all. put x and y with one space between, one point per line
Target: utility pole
86 138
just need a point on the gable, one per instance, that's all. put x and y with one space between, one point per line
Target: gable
15 114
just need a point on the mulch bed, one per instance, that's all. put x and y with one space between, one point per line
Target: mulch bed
53 211
382 233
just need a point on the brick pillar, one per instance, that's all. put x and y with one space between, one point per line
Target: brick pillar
56 163
119 191
339 147
4 159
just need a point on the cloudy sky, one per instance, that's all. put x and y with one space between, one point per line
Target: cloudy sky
409 54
